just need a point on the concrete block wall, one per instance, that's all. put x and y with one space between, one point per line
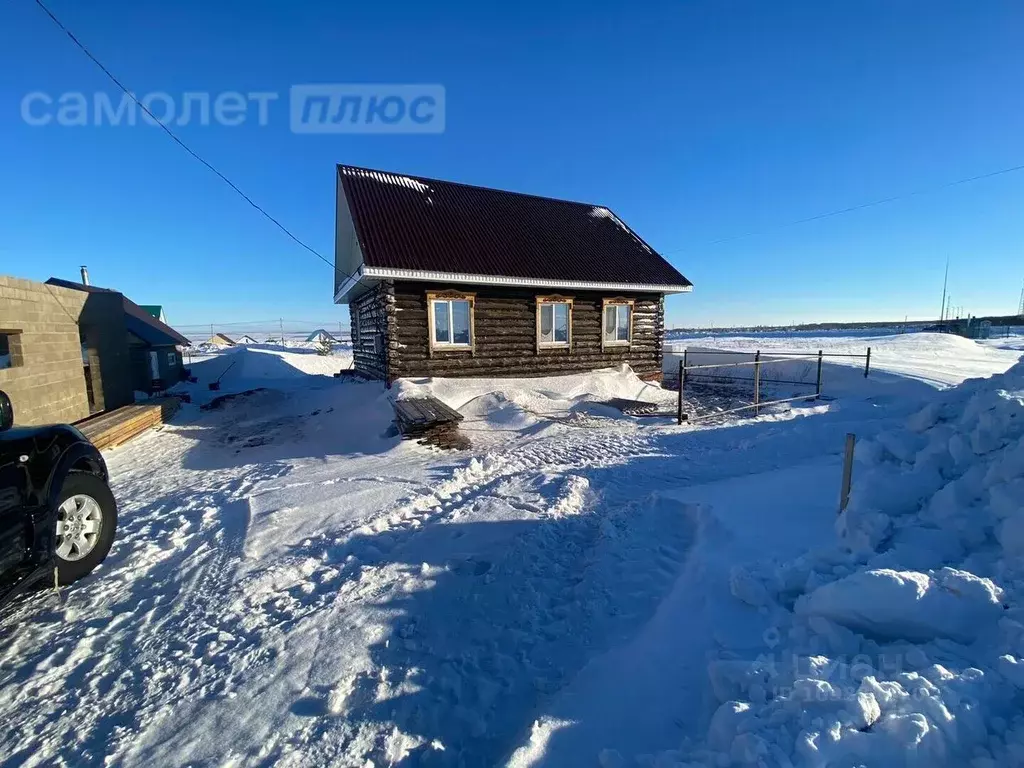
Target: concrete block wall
48 384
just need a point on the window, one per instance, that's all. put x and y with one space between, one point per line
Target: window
451 323
554 321
10 349
618 323
171 358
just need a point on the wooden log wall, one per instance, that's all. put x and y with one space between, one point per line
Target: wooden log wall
505 321
373 313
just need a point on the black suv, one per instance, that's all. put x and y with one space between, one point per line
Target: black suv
56 509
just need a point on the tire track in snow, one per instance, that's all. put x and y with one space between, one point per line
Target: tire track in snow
160 638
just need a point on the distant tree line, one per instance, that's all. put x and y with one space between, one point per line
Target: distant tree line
916 325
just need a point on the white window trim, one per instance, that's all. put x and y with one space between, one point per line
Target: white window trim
450 346
616 343
552 300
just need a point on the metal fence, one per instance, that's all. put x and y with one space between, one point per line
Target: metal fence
697 376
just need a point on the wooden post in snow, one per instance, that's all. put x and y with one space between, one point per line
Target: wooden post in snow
757 382
867 363
817 391
844 491
682 385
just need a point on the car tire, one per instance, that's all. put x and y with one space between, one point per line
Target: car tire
81 545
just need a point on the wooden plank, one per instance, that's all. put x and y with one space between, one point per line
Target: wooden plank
122 424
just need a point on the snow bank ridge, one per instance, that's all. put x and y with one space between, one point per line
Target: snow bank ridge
904 644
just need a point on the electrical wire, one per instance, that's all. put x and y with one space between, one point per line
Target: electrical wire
290 234
852 208
175 138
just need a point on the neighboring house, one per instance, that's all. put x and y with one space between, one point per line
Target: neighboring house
247 339
60 359
155 310
320 336
447 279
153 346
220 340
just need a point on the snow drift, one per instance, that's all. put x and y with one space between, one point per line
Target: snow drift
904 644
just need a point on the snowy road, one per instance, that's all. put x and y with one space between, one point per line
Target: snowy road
293 586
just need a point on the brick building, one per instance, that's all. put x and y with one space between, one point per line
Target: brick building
66 353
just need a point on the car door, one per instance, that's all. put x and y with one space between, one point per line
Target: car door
15 447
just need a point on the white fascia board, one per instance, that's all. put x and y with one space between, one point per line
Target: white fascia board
350 282
386 273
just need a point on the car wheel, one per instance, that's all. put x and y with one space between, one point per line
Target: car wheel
86 522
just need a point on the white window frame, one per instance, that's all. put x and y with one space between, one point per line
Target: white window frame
171 358
552 301
616 342
449 297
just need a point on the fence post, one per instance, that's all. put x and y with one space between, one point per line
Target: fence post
867 363
844 491
679 408
817 391
757 381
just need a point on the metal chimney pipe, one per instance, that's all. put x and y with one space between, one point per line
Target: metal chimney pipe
85 275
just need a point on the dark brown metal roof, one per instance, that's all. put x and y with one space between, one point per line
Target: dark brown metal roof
421 224
137 320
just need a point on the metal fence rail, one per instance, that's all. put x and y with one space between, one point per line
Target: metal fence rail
758 364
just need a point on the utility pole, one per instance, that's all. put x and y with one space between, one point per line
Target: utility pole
945 279
211 330
281 324
1020 307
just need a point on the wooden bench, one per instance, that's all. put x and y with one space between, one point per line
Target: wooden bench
429 421
110 428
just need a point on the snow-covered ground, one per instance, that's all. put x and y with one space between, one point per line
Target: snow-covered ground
293 585
934 358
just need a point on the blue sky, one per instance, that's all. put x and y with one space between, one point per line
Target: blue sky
696 122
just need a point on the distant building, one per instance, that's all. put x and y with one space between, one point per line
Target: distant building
320 336
155 310
247 339
220 340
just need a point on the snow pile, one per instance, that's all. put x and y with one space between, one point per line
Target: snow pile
904 644
518 401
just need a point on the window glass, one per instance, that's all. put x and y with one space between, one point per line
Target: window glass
7 347
561 322
622 328
546 323
609 323
616 322
441 317
460 322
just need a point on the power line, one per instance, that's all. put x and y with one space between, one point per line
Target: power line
852 208
290 234
174 136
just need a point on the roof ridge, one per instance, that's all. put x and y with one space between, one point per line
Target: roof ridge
429 179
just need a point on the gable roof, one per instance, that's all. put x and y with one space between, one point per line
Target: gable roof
320 333
221 337
410 227
136 319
